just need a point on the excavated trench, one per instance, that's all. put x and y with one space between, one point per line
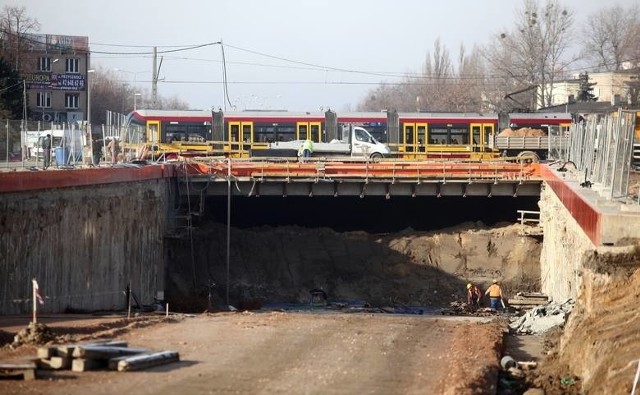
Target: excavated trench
399 251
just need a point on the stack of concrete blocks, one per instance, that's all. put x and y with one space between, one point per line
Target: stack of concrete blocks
113 355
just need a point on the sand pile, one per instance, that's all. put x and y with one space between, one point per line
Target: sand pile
522 132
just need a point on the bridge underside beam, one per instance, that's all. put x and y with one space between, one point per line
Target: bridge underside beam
284 188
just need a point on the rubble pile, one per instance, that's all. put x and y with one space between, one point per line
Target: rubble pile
542 318
33 334
462 308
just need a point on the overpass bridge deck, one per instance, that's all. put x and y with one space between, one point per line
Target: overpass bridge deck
494 170
340 178
602 222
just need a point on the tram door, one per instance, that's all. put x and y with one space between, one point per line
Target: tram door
309 130
414 137
153 132
240 136
476 137
481 136
488 135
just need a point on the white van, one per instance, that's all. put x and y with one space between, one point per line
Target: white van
357 142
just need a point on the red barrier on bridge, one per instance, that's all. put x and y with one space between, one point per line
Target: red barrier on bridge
587 216
18 181
353 170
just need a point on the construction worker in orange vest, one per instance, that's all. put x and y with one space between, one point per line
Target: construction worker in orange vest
473 296
495 295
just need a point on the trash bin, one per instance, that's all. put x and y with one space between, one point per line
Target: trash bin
62 156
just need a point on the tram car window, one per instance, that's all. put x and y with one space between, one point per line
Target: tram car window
439 135
459 136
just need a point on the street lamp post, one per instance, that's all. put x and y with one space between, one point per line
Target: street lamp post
135 100
135 83
89 97
88 130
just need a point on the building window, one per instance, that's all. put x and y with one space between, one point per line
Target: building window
44 64
44 99
71 100
73 66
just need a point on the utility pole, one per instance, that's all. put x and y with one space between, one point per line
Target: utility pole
23 127
154 79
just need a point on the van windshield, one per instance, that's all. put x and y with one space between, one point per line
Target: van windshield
362 135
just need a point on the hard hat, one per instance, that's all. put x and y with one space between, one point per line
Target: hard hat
468 285
495 281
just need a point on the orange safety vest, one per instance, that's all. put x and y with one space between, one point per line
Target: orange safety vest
494 291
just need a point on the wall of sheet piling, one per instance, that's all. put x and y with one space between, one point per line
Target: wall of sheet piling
84 245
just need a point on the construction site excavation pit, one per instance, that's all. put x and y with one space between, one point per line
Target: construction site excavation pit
399 252
386 266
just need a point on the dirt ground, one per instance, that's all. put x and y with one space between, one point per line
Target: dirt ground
283 352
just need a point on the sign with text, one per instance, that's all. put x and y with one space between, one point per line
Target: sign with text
56 42
60 82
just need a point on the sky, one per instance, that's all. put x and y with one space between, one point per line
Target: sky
294 55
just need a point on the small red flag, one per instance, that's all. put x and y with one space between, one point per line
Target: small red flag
35 288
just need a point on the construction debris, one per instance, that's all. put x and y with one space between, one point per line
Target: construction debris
114 355
528 300
462 308
542 318
512 379
33 334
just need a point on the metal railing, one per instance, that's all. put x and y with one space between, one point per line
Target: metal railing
559 144
20 144
20 140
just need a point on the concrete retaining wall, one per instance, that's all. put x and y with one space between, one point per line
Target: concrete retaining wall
83 245
565 250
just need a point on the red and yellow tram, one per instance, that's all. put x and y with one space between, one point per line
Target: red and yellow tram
409 135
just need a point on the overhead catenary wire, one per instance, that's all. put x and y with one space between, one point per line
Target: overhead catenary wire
310 65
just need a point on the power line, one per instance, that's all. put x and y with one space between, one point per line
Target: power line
323 68
306 66
10 87
176 49
310 66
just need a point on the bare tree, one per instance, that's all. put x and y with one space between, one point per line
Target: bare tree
108 93
468 86
438 87
532 52
634 47
170 103
611 37
14 25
